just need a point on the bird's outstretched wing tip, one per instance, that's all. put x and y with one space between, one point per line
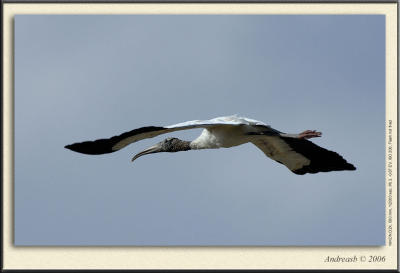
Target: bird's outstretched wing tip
76 147
97 147
70 147
352 167
318 169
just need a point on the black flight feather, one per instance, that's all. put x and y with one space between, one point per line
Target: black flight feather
321 160
104 146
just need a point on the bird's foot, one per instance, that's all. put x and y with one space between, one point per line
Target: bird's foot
309 134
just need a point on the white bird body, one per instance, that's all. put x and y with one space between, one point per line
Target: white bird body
292 150
221 137
223 132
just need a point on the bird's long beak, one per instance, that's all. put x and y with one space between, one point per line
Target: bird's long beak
153 149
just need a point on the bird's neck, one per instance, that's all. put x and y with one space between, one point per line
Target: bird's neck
205 141
181 145
196 145
193 146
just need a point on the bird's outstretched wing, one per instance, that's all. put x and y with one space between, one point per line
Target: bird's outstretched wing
115 143
301 156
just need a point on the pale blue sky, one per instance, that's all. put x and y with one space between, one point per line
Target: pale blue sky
81 78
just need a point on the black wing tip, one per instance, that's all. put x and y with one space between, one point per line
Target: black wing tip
352 167
90 147
322 160
68 147
105 146
318 169
347 167
71 147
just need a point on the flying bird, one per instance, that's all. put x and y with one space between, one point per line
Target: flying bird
298 154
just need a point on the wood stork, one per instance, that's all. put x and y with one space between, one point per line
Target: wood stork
292 150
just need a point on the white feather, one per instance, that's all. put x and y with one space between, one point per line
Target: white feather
277 149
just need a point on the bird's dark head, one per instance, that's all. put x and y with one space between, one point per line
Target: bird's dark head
170 145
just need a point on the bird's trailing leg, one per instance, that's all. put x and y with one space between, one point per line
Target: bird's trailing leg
309 134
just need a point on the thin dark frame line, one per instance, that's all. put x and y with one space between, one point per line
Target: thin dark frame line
397 158
202 1
207 270
2 144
